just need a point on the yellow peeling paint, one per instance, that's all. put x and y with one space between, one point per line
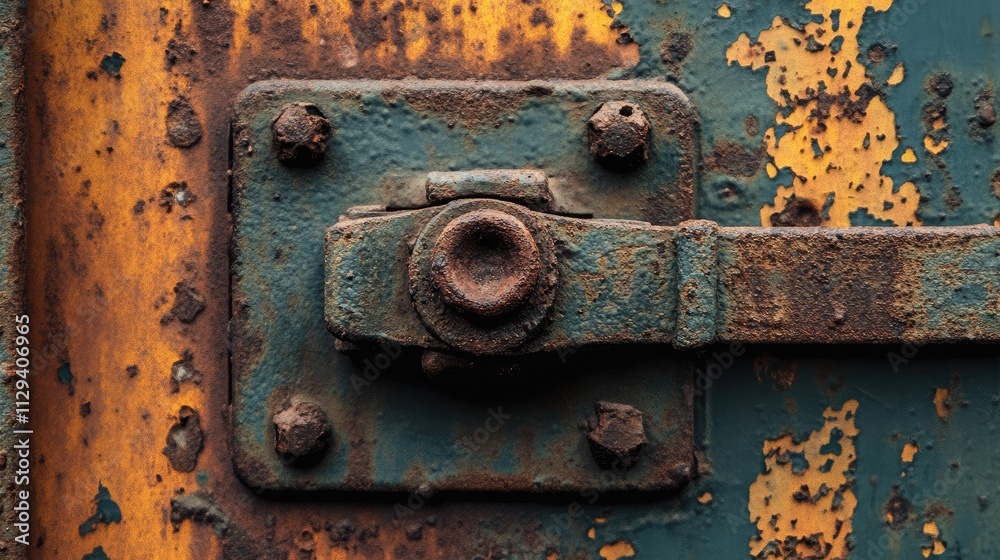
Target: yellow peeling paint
909 156
591 533
480 34
937 546
616 550
601 520
933 146
552 556
725 12
941 405
837 159
705 498
772 170
909 451
898 74
812 506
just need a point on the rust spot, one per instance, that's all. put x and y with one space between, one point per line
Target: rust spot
183 371
178 51
897 511
798 212
995 182
940 85
199 507
782 372
540 17
941 402
477 108
677 45
183 128
751 126
735 159
176 193
986 113
188 304
185 441
876 53
946 398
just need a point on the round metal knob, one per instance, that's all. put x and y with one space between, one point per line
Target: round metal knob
485 263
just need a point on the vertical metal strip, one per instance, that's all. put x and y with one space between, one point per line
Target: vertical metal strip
12 149
697 281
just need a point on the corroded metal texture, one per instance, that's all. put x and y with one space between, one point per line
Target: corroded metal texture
115 233
748 285
391 145
13 467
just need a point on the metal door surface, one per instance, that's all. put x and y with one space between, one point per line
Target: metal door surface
161 249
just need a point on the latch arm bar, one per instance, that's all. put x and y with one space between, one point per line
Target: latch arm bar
625 282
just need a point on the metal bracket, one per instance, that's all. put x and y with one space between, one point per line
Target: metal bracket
313 413
689 285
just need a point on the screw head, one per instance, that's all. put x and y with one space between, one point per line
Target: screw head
616 435
619 135
302 431
300 134
486 263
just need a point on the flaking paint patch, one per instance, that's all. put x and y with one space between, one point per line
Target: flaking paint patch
909 452
941 402
477 34
803 503
617 550
898 75
833 129
936 547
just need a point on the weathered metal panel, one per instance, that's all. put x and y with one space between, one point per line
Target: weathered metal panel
16 393
106 268
386 138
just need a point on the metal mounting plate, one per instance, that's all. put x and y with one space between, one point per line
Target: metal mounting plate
394 430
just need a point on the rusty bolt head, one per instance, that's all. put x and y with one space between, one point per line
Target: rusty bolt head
619 135
486 263
616 435
302 431
300 134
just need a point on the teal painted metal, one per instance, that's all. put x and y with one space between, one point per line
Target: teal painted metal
739 405
386 138
665 285
12 138
686 42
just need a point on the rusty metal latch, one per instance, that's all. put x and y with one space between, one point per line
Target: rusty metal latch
489 271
